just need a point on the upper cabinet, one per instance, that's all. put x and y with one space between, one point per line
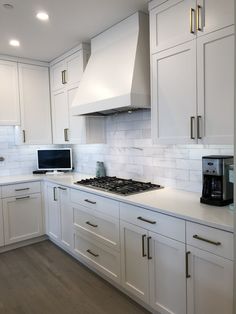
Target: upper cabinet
35 104
9 94
192 77
66 75
174 22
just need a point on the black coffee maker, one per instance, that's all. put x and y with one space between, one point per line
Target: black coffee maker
217 190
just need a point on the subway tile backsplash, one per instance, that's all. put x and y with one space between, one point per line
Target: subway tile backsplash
129 153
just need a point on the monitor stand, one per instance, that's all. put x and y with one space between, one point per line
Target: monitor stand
54 173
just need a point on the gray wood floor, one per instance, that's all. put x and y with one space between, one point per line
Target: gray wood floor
42 279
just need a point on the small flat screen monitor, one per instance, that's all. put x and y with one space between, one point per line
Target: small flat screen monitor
54 159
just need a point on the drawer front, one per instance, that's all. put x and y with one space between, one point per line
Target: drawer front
168 226
98 227
209 239
93 201
98 256
20 189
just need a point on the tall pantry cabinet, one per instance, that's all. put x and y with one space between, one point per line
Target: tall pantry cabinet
66 73
192 53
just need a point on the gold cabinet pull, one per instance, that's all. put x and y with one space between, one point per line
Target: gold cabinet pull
66 136
199 18
192 26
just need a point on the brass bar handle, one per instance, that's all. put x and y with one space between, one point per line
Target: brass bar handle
54 193
93 254
62 77
63 189
197 237
90 202
148 247
192 13
143 243
199 119
24 189
199 16
22 198
192 127
147 220
187 264
92 225
66 137
24 136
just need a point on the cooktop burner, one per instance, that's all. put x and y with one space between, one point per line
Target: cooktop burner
118 185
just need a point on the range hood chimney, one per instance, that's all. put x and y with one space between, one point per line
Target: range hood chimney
117 75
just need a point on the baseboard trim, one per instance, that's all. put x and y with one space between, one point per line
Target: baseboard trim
22 244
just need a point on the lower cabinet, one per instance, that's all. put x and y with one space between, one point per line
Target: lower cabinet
210 283
1 226
153 269
23 218
59 215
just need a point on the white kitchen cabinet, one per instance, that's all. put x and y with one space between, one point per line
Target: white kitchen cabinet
170 23
65 79
174 95
134 262
35 104
59 215
215 59
9 94
214 15
210 283
167 275
174 22
1 226
23 218
60 117
153 269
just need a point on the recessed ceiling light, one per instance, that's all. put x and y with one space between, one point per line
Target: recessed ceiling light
14 43
43 16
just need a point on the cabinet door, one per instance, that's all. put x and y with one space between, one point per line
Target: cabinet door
172 24
75 68
9 94
1 226
22 218
134 262
215 53
53 213
174 95
66 217
60 118
214 15
35 104
167 275
57 75
210 286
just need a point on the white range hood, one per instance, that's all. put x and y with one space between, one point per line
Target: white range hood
117 75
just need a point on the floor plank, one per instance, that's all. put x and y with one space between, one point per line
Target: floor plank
42 279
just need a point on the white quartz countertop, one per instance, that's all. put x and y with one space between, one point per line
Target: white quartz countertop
177 203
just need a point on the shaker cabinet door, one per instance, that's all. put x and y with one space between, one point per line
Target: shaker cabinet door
210 286
174 95
9 94
215 60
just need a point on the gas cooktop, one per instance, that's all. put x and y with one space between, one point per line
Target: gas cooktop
118 185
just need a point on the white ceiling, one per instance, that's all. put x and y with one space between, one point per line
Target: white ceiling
71 22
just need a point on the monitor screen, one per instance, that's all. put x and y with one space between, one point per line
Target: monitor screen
54 159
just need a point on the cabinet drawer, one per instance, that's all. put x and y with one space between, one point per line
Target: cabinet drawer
20 189
98 256
102 204
101 228
209 239
156 222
